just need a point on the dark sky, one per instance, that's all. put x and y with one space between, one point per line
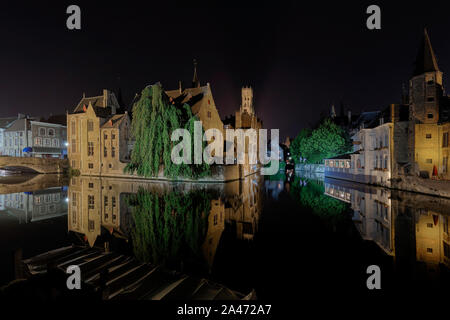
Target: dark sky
299 58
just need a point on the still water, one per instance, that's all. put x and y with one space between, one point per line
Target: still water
275 235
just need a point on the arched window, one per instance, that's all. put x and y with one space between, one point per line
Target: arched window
358 163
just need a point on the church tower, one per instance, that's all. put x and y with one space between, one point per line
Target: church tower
425 86
195 81
247 100
425 98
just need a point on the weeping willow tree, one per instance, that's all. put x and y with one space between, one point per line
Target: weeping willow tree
154 120
169 228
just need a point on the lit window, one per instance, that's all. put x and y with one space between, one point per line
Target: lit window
91 202
90 149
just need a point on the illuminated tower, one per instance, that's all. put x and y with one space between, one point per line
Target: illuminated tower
425 97
247 100
425 86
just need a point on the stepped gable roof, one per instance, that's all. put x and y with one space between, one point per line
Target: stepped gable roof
192 96
114 121
95 101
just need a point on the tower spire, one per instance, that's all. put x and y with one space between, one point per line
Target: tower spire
333 111
426 60
195 82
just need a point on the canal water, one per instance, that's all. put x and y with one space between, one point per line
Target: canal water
277 235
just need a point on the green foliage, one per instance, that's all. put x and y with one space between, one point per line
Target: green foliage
297 143
328 140
154 119
171 227
312 196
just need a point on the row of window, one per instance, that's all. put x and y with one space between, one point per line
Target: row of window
14 142
38 141
90 149
380 162
90 127
338 163
105 136
14 134
105 152
46 142
46 132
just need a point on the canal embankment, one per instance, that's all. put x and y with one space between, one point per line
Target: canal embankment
439 188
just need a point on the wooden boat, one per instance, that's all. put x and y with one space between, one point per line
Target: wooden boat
116 276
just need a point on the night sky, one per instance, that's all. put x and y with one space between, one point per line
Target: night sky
299 58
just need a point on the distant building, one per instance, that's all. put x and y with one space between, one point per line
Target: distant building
245 118
379 149
4 123
429 115
98 137
27 137
419 145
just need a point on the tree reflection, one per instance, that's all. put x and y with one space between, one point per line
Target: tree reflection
169 228
310 194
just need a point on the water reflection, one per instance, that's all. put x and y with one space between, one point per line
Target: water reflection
165 223
410 227
34 206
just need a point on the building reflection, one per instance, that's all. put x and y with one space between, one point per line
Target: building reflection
34 206
126 209
410 227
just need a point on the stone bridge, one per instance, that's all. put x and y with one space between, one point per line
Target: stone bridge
39 165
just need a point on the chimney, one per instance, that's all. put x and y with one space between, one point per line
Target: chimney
349 115
106 101
395 113
105 97
180 88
